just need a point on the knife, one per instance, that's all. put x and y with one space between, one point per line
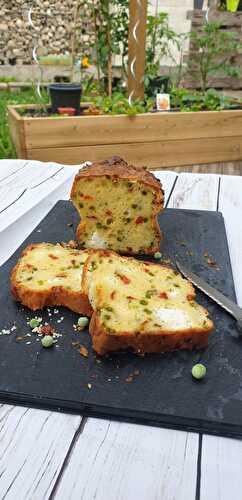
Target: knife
214 294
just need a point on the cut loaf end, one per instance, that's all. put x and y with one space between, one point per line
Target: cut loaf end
118 205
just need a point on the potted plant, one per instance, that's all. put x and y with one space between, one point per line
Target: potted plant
67 96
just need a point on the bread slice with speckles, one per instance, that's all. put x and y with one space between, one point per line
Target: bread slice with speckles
141 306
118 205
50 275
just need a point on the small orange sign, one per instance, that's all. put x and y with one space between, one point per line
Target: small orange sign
163 102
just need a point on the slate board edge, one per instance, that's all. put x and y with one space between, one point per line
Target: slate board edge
144 418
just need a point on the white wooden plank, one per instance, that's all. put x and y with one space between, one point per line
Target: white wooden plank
20 192
31 174
221 469
9 167
221 476
117 461
195 191
230 204
167 179
34 444
200 191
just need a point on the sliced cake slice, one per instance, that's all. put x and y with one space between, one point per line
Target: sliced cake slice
50 275
118 205
141 306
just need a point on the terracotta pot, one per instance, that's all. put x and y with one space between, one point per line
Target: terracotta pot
67 111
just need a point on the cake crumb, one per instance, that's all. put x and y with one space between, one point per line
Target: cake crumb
83 351
211 261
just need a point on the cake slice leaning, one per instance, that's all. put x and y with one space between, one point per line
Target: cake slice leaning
141 306
118 205
50 275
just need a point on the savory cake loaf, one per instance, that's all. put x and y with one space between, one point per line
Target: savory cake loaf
118 205
50 275
141 306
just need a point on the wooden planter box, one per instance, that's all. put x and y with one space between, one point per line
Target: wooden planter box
154 139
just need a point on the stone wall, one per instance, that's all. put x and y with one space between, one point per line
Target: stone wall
53 21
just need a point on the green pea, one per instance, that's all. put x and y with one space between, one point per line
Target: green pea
34 323
157 255
83 322
47 341
199 371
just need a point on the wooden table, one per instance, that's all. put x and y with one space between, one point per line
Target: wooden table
50 455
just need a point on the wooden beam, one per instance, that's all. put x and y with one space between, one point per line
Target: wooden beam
137 39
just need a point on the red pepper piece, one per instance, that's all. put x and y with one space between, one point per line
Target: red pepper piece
139 220
123 278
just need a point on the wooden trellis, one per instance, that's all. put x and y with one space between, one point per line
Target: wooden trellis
137 39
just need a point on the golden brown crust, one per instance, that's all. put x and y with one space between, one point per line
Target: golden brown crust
55 296
158 342
117 168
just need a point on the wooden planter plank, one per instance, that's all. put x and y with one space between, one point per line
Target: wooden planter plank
101 130
154 155
16 126
156 140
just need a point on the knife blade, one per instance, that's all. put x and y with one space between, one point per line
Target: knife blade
214 294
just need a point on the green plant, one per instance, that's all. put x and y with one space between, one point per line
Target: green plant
118 104
7 79
160 42
210 100
25 96
110 22
212 48
121 31
55 60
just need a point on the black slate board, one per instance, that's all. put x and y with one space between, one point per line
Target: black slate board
164 393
